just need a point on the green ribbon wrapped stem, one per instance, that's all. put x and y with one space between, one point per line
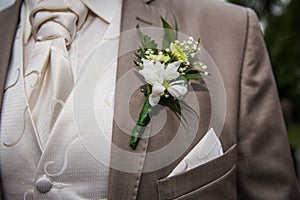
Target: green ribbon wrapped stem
143 121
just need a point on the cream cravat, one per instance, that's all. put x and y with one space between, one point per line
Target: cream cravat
48 76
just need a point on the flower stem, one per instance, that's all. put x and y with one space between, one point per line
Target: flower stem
139 128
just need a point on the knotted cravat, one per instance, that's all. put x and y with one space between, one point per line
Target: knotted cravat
48 76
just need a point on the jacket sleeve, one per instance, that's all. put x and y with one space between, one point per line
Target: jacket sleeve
265 167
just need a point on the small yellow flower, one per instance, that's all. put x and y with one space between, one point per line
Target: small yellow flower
177 52
159 58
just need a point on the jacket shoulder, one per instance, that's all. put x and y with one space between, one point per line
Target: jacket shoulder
213 9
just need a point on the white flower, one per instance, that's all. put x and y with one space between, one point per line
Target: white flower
163 78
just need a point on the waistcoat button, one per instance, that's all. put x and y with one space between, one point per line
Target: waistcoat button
43 185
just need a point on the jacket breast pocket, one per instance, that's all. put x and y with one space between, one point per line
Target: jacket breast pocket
212 180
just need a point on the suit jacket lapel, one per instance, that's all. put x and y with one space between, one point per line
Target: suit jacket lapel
8 22
9 18
124 182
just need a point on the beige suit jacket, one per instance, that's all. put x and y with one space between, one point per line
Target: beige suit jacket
257 163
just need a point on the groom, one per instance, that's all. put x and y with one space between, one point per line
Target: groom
49 146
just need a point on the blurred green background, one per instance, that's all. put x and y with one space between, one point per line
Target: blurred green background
280 21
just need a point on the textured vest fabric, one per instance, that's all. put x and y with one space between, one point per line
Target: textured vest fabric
74 163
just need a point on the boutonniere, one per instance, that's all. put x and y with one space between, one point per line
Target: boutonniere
167 72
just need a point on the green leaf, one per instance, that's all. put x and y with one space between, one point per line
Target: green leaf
146 41
198 43
192 71
169 34
137 55
172 104
193 76
136 63
175 105
176 27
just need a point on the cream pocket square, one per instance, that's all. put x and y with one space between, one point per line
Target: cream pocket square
206 150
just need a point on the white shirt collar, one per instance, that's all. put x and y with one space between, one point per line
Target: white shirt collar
104 9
